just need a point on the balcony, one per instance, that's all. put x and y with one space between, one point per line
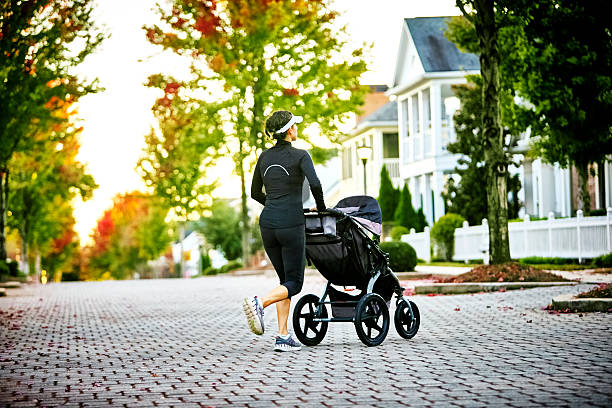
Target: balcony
393 167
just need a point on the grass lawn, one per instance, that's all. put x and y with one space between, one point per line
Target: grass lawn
507 272
568 267
603 290
455 264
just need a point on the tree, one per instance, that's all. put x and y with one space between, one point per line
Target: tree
40 40
421 222
130 233
564 66
404 213
44 181
468 197
263 55
482 14
222 229
388 196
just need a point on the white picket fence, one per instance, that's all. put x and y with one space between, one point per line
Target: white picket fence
421 242
579 237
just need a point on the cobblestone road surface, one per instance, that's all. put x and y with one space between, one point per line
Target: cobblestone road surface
186 343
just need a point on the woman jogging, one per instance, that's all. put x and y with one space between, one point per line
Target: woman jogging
281 170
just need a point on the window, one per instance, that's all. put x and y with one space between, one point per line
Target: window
390 146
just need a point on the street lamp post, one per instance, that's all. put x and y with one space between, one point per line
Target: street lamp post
363 152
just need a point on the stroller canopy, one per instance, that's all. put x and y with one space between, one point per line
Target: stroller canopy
364 209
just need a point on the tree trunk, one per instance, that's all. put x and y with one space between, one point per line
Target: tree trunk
244 218
182 238
584 197
25 264
495 160
37 266
4 178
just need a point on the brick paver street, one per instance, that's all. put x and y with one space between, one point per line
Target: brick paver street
186 343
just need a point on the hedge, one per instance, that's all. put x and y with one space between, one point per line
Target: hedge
402 257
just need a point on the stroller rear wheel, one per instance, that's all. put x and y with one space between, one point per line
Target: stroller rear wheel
309 332
407 326
372 319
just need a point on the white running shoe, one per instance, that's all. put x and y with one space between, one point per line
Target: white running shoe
254 313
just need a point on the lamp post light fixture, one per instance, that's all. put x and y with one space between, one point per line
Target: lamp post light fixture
363 152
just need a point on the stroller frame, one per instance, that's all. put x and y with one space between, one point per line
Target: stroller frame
368 308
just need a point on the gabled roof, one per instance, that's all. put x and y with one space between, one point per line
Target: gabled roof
435 51
385 116
386 113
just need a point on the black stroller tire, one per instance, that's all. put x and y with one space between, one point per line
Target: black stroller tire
406 326
369 311
304 311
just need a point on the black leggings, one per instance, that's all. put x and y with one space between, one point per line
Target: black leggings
286 248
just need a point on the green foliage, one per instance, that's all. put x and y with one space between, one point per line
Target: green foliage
421 222
128 235
402 256
603 261
210 271
265 56
538 260
44 182
222 229
230 266
397 232
468 197
40 45
404 213
4 269
388 196
205 261
443 233
175 157
565 73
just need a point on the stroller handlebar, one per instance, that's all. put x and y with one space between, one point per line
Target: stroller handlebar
328 211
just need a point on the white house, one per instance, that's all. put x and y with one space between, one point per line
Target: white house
427 65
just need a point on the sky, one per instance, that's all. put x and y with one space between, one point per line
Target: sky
116 120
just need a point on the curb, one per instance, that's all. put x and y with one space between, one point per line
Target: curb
563 302
460 288
2 292
10 285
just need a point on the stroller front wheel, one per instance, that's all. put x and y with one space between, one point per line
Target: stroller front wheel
406 325
372 319
309 332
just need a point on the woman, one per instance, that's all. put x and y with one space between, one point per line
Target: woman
281 171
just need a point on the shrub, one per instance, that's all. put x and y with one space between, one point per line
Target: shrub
443 233
230 266
205 261
397 232
538 260
4 269
402 257
13 268
210 271
604 261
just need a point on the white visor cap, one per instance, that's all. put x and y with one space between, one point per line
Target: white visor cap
292 121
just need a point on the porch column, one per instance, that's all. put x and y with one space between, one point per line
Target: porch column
437 186
435 98
410 130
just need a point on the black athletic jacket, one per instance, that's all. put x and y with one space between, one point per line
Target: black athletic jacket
281 170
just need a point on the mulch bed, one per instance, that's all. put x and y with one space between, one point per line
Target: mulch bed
507 272
603 290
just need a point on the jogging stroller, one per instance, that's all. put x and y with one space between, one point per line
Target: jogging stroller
342 243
